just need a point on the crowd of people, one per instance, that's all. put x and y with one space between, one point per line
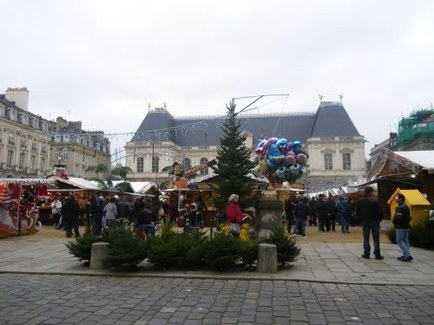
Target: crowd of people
321 212
108 212
325 213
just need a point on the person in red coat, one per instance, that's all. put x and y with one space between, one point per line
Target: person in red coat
233 210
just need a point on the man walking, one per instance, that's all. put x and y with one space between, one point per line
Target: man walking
70 211
370 213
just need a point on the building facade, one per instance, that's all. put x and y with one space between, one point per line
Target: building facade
335 147
78 149
24 137
30 145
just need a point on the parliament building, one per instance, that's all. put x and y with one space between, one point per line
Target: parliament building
336 149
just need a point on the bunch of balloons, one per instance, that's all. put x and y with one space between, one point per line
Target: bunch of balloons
280 160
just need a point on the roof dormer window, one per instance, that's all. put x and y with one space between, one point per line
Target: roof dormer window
35 123
12 114
44 126
24 119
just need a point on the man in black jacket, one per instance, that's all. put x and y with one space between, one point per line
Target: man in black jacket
323 213
144 220
301 211
370 213
70 211
401 221
124 209
289 212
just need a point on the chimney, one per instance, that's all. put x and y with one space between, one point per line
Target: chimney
18 95
61 123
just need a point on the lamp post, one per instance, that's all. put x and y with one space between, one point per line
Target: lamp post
60 156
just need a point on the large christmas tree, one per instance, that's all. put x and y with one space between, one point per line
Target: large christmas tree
233 162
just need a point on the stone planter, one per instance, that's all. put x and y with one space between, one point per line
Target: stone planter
268 212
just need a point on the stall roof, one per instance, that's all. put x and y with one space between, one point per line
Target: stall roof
138 187
80 183
64 190
424 158
413 197
142 187
139 194
27 180
204 178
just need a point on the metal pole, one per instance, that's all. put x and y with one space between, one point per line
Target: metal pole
211 227
152 162
258 97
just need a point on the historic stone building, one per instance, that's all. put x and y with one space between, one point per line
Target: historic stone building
335 146
24 137
30 145
78 149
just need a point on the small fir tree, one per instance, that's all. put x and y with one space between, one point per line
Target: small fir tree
233 162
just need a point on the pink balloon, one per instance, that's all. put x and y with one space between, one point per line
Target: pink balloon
290 158
301 158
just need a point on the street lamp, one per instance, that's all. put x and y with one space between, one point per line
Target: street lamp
60 156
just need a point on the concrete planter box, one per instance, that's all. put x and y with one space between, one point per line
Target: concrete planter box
268 212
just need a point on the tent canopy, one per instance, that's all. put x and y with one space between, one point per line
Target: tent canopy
76 182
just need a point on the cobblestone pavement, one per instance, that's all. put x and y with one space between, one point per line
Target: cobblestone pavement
58 299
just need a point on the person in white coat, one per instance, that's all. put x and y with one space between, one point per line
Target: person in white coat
56 209
110 213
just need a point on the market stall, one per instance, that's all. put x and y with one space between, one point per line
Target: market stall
80 188
20 200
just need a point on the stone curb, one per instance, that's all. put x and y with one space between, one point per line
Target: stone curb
216 277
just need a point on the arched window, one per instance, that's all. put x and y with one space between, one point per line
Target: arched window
204 171
187 163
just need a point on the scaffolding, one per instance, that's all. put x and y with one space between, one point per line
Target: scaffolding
420 124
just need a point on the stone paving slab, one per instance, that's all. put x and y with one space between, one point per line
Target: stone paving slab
49 299
322 262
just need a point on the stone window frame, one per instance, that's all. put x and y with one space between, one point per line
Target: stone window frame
346 151
187 162
140 164
203 172
155 165
326 153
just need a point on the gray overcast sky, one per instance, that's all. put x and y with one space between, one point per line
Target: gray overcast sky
102 62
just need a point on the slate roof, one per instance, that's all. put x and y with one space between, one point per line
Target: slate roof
330 119
159 120
8 103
